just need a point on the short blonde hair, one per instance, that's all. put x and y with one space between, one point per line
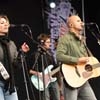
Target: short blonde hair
5 17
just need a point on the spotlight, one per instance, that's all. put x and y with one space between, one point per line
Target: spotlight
52 5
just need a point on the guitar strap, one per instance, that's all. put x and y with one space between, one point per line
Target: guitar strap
87 49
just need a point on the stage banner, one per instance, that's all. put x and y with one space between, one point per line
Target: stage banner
56 20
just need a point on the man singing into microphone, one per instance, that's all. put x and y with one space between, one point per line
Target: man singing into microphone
71 50
8 58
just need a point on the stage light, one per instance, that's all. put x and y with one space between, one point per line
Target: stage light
52 4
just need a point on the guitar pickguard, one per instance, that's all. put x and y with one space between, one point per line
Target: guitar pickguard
86 74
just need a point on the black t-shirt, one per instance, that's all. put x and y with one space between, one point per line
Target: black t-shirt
41 60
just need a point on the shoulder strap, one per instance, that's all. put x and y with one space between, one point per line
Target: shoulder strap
87 49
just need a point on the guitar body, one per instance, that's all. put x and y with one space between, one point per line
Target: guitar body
77 75
38 81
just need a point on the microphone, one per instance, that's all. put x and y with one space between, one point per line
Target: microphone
96 25
91 23
20 25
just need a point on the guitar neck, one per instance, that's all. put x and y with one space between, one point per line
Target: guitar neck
55 71
96 65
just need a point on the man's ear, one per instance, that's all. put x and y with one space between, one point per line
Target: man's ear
71 25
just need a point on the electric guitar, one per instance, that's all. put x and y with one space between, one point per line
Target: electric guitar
77 75
38 81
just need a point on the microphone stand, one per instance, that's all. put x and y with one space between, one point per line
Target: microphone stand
39 45
36 65
23 69
99 33
23 61
98 40
25 72
40 53
43 51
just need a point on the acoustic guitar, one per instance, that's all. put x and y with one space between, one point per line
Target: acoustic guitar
77 75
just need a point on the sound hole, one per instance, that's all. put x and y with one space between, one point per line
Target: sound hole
88 67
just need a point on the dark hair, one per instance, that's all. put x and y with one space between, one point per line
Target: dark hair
43 37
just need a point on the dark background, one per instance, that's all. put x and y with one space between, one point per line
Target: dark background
31 12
